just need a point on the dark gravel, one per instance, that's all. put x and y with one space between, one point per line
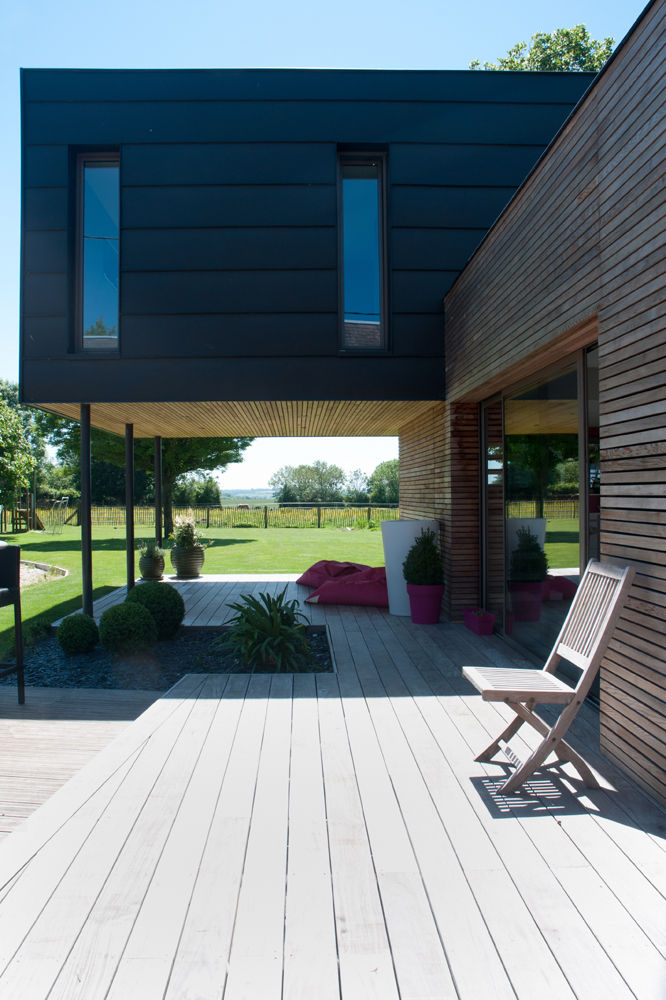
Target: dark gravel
188 652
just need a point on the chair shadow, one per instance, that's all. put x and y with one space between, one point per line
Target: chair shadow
545 793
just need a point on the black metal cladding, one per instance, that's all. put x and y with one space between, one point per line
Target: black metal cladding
229 221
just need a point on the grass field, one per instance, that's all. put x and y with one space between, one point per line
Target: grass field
233 550
562 543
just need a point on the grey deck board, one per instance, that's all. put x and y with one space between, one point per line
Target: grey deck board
330 836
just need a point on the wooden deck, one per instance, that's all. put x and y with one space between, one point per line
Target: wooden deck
331 837
47 740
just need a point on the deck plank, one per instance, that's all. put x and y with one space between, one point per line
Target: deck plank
310 948
202 955
366 964
256 960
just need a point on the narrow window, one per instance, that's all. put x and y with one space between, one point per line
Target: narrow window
99 231
362 252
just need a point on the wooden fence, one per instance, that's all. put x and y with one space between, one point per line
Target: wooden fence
565 508
291 516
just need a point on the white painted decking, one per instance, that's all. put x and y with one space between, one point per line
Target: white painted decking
331 837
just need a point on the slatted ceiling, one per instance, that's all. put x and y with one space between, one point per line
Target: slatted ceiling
542 416
585 235
286 418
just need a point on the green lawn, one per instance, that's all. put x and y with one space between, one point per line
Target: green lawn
561 545
233 550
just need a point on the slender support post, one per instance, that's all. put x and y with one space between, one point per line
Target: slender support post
85 513
129 503
159 521
18 642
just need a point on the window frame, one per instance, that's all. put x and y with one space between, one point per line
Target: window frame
364 157
112 348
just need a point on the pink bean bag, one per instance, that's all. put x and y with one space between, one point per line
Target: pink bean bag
366 588
328 569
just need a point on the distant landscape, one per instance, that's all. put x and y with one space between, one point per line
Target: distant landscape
247 496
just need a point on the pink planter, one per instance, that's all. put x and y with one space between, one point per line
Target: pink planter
481 623
526 599
425 603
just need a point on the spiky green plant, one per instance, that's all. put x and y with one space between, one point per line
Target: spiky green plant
268 631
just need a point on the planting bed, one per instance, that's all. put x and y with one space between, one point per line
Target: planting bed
189 652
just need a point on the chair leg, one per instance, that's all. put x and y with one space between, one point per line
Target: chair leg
527 768
490 751
18 642
567 753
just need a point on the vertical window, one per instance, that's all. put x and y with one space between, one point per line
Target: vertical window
99 239
362 252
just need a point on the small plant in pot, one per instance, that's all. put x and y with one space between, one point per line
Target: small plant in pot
422 570
479 620
187 553
528 570
151 559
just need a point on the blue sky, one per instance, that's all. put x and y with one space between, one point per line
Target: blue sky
215 33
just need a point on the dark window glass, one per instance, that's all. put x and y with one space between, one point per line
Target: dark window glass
99 253
542 487
362 253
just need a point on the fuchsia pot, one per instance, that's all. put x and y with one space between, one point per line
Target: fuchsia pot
482 624
526 600
425 602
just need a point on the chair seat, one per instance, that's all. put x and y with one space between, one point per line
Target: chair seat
516 684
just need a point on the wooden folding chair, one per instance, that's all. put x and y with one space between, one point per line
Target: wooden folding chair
582 641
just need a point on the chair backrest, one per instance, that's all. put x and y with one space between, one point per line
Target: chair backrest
589 625
10 566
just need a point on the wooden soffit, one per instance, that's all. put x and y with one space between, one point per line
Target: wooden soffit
541 416
290 418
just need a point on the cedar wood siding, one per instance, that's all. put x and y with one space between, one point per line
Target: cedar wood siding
579 253
229 244
439 478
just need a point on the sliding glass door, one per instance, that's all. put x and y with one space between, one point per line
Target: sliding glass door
540 498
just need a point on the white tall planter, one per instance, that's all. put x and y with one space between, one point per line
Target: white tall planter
398 538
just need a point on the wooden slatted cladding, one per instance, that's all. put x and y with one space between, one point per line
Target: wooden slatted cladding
281 418
439 479
229 222
579 250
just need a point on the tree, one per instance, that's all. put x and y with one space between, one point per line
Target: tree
196 491
316 483
384 483
56 481
16 459
564 49
28 418
356 487
179 455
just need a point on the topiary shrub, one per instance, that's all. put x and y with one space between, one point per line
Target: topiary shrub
423 565
164 603
529 563
77 634
127 628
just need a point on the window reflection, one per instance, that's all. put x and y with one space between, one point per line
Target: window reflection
100 253
542 508
362 254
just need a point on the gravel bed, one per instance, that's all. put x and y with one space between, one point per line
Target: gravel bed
189 652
